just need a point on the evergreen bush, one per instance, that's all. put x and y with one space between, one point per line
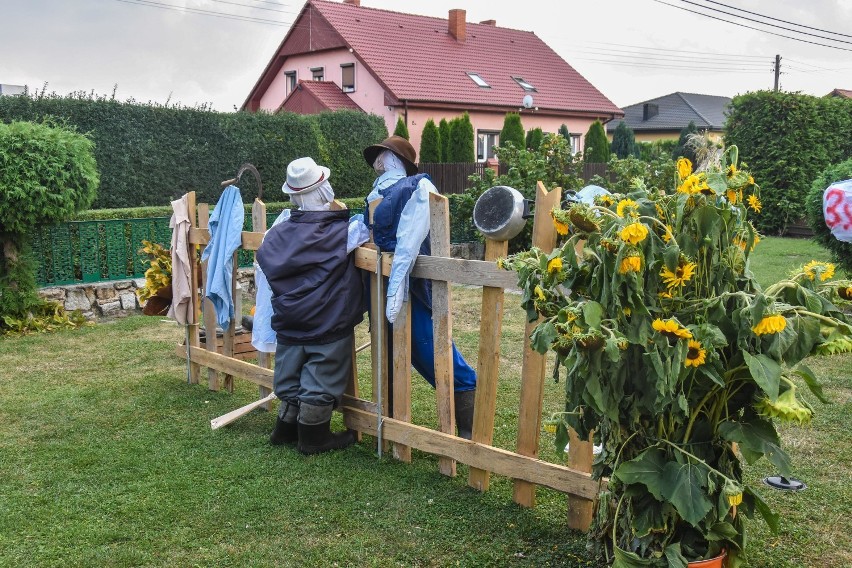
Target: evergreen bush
840 251
788 140
513 131
624 142
564 132
534 138
430 144
683 149
444 135
596 145
461 140
401 128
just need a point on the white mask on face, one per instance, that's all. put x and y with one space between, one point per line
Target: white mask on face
318 199
387 161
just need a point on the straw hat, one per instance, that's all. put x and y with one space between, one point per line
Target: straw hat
304 176
399 146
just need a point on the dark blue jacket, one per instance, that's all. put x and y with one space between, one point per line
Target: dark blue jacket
317 292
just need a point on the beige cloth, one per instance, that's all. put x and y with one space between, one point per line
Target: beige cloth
181 308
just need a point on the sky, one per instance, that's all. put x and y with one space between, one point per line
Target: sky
211 52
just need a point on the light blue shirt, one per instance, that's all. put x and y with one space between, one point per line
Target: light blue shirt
412 231
226 226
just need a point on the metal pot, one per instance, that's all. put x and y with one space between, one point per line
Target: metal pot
501 213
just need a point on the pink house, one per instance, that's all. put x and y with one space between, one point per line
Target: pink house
418 67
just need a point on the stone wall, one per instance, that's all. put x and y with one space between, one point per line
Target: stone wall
118 297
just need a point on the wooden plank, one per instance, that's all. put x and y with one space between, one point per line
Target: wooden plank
250 240
228 340
241 369
352 385
456 270
210 328
488 362
195 299
532 373
580 456
378 326
258 225
402 375
442 325
497 460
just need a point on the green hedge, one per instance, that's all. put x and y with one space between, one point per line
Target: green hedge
151 154
787 140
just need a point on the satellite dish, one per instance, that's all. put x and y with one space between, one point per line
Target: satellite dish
528 101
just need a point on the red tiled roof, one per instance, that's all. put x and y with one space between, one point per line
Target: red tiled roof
845 93
418 60
327 94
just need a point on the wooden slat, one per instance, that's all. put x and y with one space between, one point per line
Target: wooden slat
250 240
402 375
456 270
210 328
241 369
490 328
228 340
378 327
442 325
532 374
580 456
258 225
195 300
499 461
352 390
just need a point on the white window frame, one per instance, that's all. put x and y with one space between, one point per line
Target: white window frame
477 78
525 85
343 87
482 137
291 79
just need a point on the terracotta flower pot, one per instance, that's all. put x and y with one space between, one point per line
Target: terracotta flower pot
159 303
717 562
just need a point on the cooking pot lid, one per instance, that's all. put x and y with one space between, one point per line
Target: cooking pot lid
494 209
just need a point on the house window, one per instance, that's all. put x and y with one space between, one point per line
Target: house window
479 80
486 140
575 143
317 73
524 85
290 78
347 79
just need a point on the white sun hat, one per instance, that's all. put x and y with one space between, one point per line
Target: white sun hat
304 176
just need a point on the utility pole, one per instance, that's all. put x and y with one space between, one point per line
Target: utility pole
777 70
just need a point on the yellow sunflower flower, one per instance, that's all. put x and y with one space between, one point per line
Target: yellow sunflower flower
667 295
845 292
605 199
561 228
668 235
634 233
630 264
786 407
627 207
814 268
734 500
732 196
695 355
732 171
750 180
684 168
539 293
554 265
770 324
754 203
671 328
680 276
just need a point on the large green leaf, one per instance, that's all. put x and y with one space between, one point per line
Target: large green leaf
647 469
765 372
722 531
684 487
810 379
542 336
753 500
625 559
592 312
675 557
757 438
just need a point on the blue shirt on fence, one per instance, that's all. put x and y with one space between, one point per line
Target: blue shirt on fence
226 226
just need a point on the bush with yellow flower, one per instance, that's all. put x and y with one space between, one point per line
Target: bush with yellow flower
674 352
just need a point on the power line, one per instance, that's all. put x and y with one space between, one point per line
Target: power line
778 19
668 57
750 27
152 4
742 55
255 7
662 66
765 23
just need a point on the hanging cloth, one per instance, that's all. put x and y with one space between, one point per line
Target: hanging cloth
226 226
181 308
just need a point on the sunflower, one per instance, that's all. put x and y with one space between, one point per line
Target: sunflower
695 355
770 324
684 167
561 227
634 233
630 264
604 199
814 268
671 328
734 196
786 407
668 235
754 203
845 292
554 265
539 293
732 171
680 276
627 207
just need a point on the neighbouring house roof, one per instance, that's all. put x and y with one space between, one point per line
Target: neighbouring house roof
842 93
417 60
674 112
310 97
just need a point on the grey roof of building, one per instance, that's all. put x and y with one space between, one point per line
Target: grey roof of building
676 111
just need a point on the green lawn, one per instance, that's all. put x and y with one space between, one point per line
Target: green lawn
107 459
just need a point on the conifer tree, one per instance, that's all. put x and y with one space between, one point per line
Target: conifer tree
513 131
682 149
401 129
444 136
596 146
461 140
534 138
624 141
430 144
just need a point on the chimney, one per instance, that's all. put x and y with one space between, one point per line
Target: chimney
457 24
492 23
352 2
650 110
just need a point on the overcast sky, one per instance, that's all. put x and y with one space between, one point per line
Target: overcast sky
632 50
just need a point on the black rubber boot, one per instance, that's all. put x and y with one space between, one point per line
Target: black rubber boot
318 438
286 431
464 413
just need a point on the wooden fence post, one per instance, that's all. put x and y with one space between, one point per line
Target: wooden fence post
208 311
532 379
195 304
258 225
402 375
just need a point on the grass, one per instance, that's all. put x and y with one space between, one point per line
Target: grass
107 459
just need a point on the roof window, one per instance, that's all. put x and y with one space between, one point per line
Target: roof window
479 80
524 85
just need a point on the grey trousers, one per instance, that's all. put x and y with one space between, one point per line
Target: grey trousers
313 374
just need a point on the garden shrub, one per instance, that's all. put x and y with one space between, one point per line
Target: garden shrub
444 135
513 131
151 154
624 141
460 148
430 144
840 251
401 128
787 140
534 138
596 145
682 149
